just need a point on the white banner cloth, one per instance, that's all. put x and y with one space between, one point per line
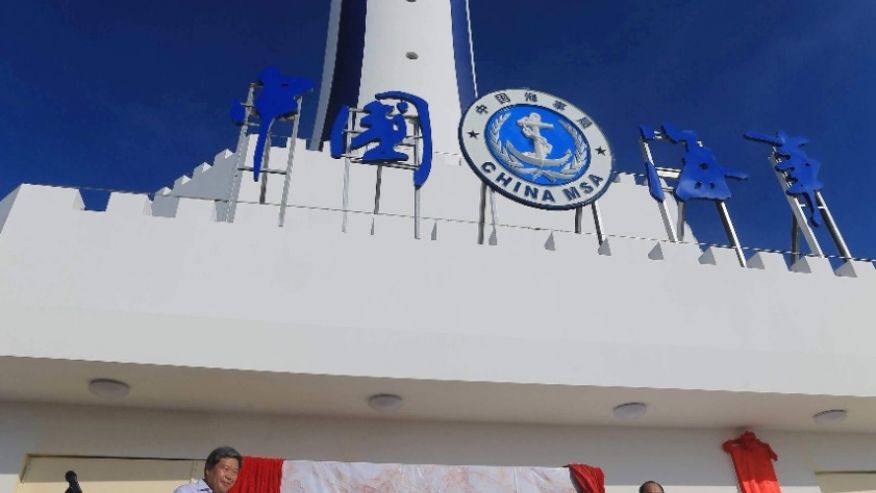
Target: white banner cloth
361 477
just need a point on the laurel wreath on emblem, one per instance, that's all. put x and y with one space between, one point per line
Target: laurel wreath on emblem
569 171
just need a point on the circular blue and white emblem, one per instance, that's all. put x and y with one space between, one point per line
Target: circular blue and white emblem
536 148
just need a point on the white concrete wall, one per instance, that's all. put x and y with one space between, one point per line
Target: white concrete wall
115 286
685 461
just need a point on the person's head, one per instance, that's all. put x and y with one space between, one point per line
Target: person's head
651 487
221 469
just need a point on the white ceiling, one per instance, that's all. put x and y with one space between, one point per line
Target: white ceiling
183 388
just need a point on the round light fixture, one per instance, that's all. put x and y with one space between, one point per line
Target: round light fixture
630 410
109 388
830 416
412 55
385 402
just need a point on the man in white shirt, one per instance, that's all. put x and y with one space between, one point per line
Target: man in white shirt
220 472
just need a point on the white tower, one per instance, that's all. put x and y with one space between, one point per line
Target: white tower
418 46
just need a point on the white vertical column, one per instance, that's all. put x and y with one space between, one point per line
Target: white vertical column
409 47
412 46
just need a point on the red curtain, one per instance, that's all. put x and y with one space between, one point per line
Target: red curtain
259 475
753 461
590 479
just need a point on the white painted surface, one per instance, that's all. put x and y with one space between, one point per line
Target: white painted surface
117 286
393 28
451 197
328 70
685 461
266 392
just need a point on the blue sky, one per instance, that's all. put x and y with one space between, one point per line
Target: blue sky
130 95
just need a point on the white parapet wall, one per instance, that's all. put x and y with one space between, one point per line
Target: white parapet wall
451 197
547 327
116 285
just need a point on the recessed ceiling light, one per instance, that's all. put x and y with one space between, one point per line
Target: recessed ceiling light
630 410
385 402
830 416
108 388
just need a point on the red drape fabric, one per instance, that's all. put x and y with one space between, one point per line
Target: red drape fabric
753 461
590 479
259 475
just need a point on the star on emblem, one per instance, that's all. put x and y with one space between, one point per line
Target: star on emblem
601 151
473 134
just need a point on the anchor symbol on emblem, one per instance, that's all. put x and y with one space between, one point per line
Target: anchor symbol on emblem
531 127
537 165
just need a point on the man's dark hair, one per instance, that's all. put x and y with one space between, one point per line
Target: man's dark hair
220 453
646 483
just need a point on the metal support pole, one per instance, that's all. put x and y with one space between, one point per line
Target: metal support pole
597 222
494 216
482 217
377 196
681 219
417 161
667 222
661 206
345 199
832 227
579 212
287 179
797 210
263 193
795 240
416 213
731 232
239 158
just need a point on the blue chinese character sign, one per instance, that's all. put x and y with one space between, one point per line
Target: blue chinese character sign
536 149
277 99
701 176
385 125
373 134
800 170
798 175
383 128
273 97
